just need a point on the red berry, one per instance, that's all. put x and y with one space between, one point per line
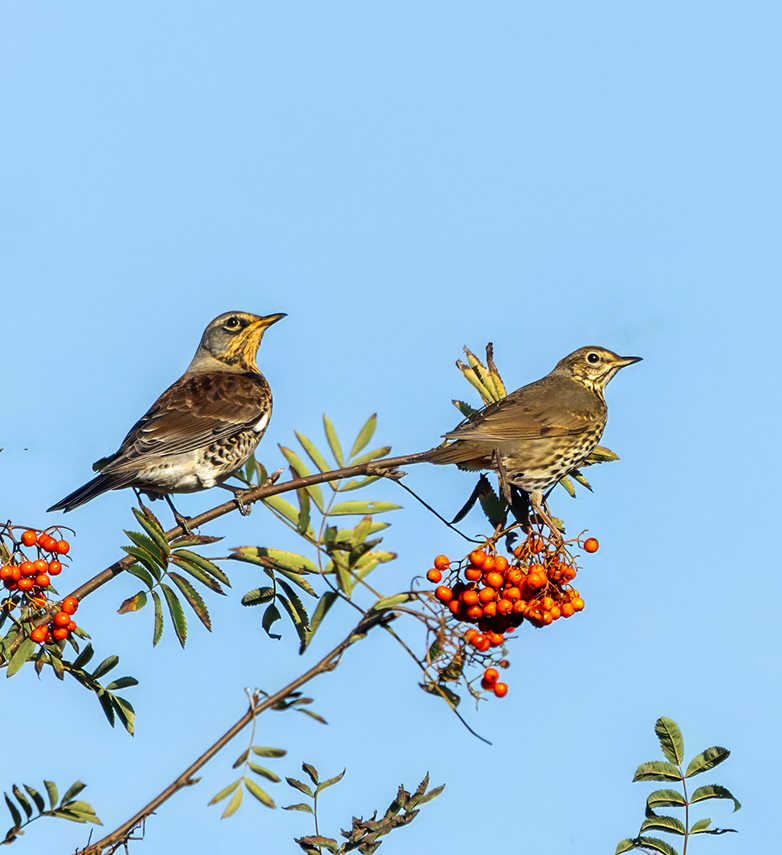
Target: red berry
39 633
62 547
42 580
25 584
442 562
29 537
478 556
491 674
500 689
69 605
434 575
500 563
26 568
71 626
39 565
591 545
60 633
472 574
55 568
44 540
62 619
443 593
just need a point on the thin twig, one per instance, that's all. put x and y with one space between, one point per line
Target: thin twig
329 662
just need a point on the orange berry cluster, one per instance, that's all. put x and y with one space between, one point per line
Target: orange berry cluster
489 681
29 580
498 595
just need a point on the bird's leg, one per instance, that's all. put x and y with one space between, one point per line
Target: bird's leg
182 522
520 507
503 475
537 503
141 504
244 509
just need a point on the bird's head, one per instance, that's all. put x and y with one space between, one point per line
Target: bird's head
231 341
593 366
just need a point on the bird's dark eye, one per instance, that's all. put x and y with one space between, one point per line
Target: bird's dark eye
232 323
593 358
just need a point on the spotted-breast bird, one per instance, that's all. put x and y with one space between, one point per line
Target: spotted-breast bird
203 428
542 431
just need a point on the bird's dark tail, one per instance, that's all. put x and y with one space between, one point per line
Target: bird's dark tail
99 484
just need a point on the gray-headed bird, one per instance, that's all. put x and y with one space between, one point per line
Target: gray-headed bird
203 428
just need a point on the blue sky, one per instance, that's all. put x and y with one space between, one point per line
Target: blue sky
403 179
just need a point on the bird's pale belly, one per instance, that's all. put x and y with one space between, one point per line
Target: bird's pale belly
200 469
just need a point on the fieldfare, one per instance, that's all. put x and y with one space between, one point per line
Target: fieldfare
538 433
202 428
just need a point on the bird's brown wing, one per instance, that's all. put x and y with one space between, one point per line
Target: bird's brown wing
194 412
538 410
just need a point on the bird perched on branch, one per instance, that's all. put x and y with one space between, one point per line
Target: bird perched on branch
537 434
203 428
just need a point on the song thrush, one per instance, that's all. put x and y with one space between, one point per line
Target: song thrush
538 433
202 428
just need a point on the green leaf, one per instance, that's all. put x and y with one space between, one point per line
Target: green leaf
298 606
664 798
72 792
300 469
700 826
141 573
464 408
568 485
656 845
707 759
158 630
51 791
22 654
284 508
193 598
300 806
277 558
324 604
259 794
108 663
122 683
315 456
346 508
203 563
258 596
364 435
298 785
263 751
308 844
331 781
225 792
266 773
311 771
331 436
152 562
298 623
714 792
357 483
657 770
153 556
375 454
602 454
22 801
153 528
669 824
671 740
270 617
197 573
304 511
84 657
233 805
194 539
15 815
391 602
177 614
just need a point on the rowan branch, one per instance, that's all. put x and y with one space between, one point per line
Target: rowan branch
111 842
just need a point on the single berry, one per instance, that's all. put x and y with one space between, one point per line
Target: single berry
69 605
487 684
25 584
591 545
26 568
443 593
494 579
62 547
29 537
62 619
60 633
55 568
478 556
474 612
491 674
469 598
500 689
473 574
500 563
71 626
577 603
39 565
488 564
434 575
442 562
42 580
39 633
